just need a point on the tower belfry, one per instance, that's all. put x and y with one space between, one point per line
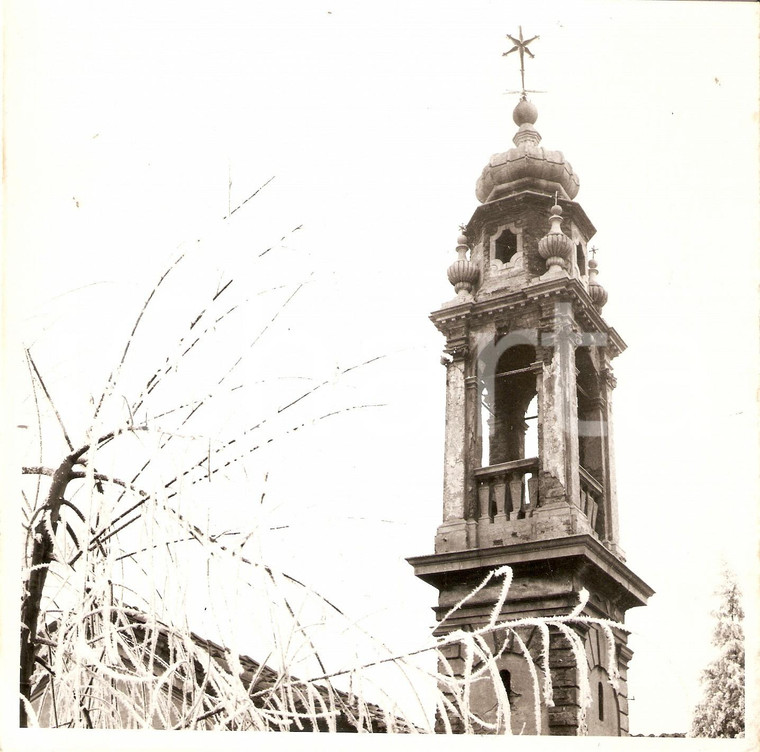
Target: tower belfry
529 472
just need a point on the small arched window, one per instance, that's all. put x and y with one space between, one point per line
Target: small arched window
506 680
600 693
505 246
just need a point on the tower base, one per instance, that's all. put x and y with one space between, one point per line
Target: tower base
548 576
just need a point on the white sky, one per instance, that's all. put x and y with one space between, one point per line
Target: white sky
124 123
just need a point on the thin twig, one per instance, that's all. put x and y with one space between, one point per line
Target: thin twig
50 400
295 229
240 206
328 381
113 375
170 363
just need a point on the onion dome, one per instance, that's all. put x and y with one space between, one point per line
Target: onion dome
528 165
463 274
555 246
596 292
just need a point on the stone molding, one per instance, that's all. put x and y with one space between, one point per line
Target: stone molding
562 290
436 568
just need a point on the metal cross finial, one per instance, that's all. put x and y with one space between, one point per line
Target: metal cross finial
521 46
592 251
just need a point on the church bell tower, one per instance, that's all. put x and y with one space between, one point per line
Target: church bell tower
529 465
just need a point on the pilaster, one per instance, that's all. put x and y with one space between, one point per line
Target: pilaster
558 408
452 534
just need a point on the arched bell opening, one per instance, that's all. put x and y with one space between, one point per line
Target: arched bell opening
513 424
592 437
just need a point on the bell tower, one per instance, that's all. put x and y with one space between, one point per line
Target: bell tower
529 465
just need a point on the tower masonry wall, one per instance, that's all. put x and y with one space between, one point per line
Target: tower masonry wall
526 215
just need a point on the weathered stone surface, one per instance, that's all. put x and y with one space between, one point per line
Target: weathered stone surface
565 695
450 651
558 640
565 677
561 659
454 452
455 664
563 716
451 536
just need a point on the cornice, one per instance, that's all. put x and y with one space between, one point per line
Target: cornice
564 289
436 569
492 209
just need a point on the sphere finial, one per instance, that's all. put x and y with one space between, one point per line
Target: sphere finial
525 112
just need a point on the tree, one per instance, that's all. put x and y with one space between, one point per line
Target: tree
721 712
124 560
109 513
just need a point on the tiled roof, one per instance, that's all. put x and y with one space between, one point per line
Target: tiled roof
291 704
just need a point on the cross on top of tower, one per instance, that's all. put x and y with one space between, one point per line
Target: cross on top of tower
521 46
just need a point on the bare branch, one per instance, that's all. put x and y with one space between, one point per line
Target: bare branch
240 206
295 229
112 377
170 363
50 399
327 381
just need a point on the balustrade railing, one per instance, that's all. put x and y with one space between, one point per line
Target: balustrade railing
507 491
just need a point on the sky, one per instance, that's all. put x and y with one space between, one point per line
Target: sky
132 132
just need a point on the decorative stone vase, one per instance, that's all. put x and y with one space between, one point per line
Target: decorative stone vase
596 292
555 247
463 274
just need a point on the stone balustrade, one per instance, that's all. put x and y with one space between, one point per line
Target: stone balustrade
507 491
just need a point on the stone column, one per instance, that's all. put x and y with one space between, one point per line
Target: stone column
478 426
558 406
472 450
451 535
608 383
